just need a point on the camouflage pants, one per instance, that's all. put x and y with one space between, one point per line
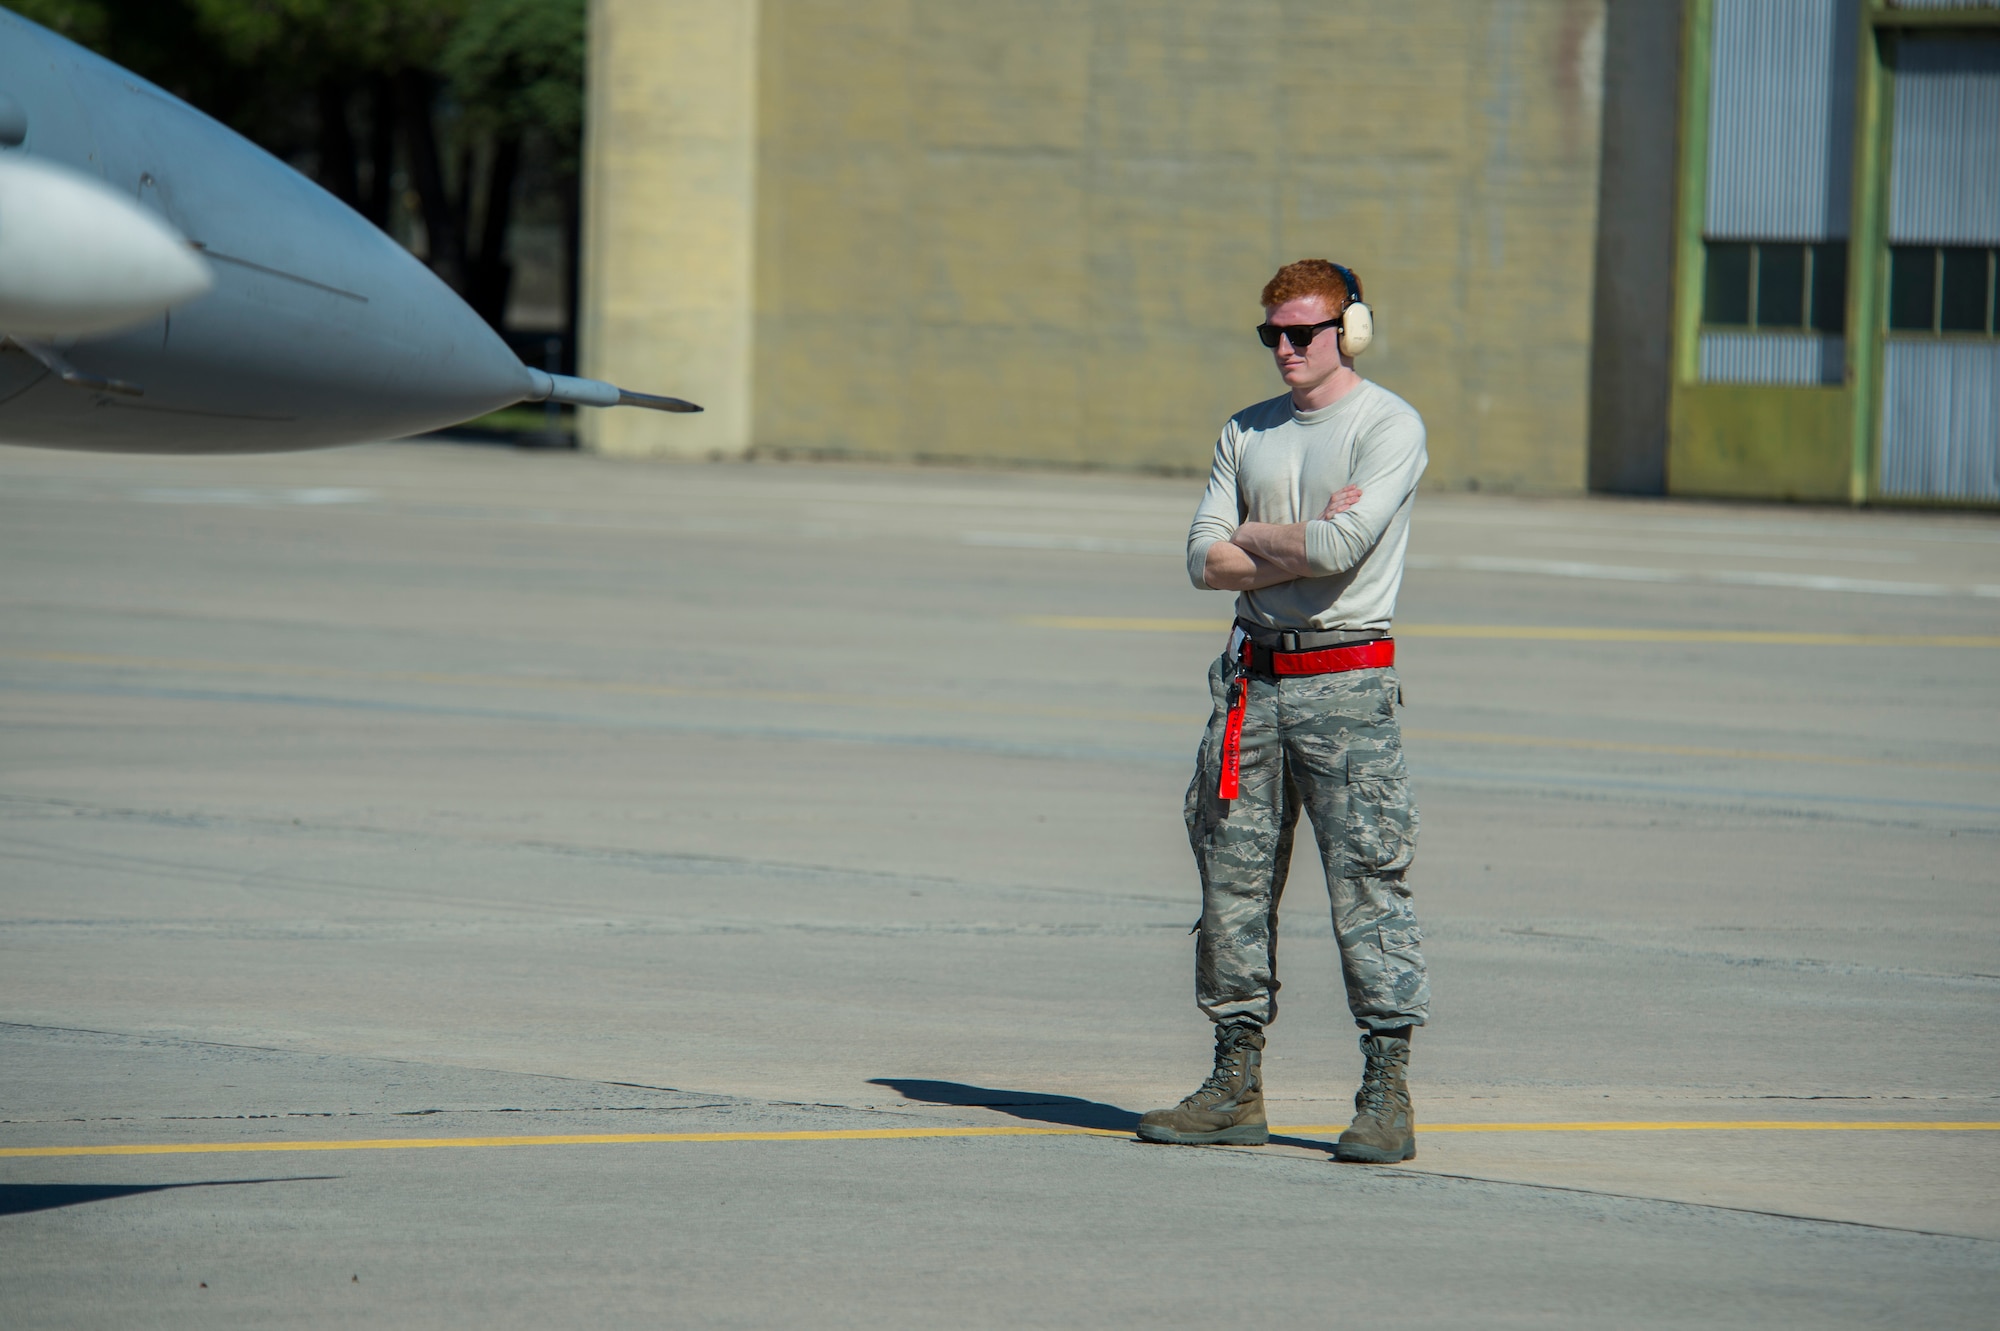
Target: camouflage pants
1330 745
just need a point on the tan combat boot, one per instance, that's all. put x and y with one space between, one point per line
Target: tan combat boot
1228 1109
1384 1131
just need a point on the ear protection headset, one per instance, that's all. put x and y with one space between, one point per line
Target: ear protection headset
1357 321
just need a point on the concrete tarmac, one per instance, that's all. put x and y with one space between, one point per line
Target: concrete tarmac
819 828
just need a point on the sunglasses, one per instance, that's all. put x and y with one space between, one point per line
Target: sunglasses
1299 335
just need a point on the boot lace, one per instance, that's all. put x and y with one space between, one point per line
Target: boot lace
1376 1095
1373 1097
1230 1058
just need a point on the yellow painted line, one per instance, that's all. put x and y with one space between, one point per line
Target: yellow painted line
572 1139
1549 633
1681 750
1744 637
559 684
907 1134
1095 623
1698 1125
630 688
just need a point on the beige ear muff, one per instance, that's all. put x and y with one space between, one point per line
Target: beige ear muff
1357 328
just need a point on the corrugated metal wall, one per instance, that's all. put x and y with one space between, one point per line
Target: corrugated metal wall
1780 134
1940 420
1771 358
1781 119
1941 395
1945 175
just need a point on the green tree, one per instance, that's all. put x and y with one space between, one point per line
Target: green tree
82 21
515 68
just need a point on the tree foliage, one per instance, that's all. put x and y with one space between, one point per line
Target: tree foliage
517 67
309 37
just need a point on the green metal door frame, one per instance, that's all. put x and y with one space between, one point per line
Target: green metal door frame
1868 249
1792 442
1691 193
1868 227
1740 441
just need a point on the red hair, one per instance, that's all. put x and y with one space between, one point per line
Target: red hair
1310 277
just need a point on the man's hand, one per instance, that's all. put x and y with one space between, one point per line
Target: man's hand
1264 554
1346 497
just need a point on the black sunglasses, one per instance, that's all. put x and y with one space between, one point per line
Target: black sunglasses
1299 335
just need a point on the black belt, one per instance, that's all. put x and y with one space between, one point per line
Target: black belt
1304 640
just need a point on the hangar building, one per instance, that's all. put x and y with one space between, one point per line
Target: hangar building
1630 245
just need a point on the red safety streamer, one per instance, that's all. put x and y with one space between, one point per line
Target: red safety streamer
1232 737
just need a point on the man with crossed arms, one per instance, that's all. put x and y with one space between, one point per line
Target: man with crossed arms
1306 516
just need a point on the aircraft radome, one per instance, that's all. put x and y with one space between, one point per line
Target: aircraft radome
166 286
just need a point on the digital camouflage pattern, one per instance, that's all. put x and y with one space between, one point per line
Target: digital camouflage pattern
1328 745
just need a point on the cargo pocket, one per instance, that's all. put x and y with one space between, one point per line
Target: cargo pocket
1381 832
1199 813
1392 693
1404 982
1400 938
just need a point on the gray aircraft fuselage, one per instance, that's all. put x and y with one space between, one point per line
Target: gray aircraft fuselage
318 328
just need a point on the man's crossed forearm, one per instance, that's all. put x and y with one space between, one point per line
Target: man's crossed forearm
1263 554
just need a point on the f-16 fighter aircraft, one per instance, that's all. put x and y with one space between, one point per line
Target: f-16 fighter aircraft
167 286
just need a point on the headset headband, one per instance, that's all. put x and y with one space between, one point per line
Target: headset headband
1357 321
1348 279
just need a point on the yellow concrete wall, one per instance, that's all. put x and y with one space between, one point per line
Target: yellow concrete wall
669 216
1036 230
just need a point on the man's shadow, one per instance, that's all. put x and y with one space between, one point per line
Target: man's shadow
21 1198
1061 1110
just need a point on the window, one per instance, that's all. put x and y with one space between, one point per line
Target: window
1727 298
1912 288
1781 285
1775 285
1829 287
1964 291
1941 289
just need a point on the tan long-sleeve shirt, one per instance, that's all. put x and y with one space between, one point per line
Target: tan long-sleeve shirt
1277 464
